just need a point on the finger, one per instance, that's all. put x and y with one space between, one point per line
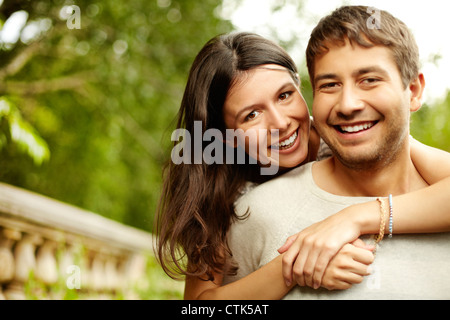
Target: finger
352 278
362 269
309 267
332 282
321 265
298 269
354 274
289 257
361 244
287 244
358 254
338 285
363 256
357 268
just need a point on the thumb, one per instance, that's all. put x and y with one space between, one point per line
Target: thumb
287 244
361 244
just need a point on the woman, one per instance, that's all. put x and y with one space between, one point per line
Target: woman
197 203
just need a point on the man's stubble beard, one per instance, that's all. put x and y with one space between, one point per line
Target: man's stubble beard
383 154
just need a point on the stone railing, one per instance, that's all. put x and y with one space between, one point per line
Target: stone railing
49 250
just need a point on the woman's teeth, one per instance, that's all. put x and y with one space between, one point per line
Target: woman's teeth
285 144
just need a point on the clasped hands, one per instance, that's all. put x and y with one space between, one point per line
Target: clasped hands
327 254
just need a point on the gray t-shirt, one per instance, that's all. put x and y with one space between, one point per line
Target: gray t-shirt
413 266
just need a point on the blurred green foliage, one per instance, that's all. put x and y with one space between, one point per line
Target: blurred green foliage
85 113
430 124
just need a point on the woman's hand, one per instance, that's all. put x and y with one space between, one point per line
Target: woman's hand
308 253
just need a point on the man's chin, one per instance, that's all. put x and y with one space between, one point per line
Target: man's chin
359 162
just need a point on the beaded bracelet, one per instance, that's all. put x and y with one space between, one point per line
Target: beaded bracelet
391 216
383 215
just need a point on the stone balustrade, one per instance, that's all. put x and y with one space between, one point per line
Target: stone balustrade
49 249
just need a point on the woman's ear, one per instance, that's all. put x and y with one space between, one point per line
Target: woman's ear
416 88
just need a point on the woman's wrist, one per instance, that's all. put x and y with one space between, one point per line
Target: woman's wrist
367 217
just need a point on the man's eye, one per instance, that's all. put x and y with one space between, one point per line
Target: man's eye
370 80
329 85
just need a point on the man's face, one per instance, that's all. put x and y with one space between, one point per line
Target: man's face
361 108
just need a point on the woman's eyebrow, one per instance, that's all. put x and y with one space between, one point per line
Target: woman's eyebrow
252 106
245 110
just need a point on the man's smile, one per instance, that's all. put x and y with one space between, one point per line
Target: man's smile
356 127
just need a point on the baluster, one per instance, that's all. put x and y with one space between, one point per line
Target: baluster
133 271
97 276
111 276
46 268
25 263
7 265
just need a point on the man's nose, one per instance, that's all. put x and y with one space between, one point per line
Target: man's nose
349 102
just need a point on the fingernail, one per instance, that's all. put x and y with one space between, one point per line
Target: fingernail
369 270
288 283
316 285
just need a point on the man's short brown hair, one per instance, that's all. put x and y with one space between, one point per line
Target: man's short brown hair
357 24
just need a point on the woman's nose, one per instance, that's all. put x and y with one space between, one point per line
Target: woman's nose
279 119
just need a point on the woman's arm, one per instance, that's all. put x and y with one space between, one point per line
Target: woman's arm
266 283
348 267
433 164
307 253
423 211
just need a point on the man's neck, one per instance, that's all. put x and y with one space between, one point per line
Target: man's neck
398 177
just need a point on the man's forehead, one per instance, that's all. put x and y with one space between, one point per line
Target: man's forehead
361 57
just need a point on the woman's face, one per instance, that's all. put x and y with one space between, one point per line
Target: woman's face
266 99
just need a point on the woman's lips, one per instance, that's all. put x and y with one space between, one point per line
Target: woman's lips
286 143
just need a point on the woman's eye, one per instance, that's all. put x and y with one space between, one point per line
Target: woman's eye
285 95
252 115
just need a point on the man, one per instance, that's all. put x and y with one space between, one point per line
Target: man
366 81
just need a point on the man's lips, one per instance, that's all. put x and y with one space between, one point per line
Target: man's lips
355 127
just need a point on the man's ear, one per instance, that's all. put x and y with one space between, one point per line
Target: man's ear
416 88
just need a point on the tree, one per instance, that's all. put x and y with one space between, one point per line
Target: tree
92 88
429 125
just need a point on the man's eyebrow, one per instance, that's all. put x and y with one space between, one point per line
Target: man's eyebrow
325 76
359 72
370 69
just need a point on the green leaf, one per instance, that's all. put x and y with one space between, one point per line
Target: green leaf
22 133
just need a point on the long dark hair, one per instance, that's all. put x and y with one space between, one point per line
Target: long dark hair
197 202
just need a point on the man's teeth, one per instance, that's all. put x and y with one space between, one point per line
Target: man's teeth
356 128
286 143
